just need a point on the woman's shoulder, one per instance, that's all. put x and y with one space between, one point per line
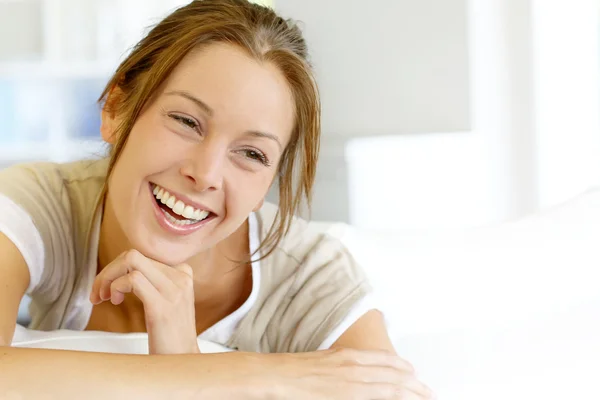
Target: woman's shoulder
53 182
309 251
52 172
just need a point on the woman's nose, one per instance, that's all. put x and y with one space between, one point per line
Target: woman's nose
206 166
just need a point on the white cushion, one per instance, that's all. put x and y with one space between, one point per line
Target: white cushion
433 281
105 342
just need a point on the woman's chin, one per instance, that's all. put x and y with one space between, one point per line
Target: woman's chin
153 242
164 252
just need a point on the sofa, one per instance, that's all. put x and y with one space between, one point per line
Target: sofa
506 311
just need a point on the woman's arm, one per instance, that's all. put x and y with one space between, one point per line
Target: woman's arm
364 375
14 280
367 333
34 373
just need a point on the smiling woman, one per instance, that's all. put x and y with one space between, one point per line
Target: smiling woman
223 119
170 236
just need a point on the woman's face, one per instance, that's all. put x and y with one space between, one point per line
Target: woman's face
208 146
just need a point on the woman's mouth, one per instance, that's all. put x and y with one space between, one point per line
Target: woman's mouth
178 215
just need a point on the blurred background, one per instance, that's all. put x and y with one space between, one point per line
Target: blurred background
438 116
436 113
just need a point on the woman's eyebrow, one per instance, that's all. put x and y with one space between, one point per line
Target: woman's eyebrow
270 136
192 98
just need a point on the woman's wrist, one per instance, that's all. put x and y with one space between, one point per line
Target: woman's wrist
254 377
237 375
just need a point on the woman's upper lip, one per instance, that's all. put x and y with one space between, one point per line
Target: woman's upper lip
187 200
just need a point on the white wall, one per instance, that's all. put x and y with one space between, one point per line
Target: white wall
29 43
388 66
420 181
512 117
470 178
567 42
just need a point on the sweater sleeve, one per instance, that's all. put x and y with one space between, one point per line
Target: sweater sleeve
328 293
18 226
38 222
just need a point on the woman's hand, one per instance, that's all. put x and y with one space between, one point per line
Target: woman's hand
166 292
345 374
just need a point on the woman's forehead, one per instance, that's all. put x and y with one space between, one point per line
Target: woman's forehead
232 84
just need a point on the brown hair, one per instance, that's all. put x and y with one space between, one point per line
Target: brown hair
266 37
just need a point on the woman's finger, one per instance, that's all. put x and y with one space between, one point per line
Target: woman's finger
186 269
95 295
135 282
156 273
387 375
378 358
407 395
414 386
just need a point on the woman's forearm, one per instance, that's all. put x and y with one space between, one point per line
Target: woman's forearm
38 373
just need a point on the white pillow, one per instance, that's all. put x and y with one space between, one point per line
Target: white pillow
432 281
95 341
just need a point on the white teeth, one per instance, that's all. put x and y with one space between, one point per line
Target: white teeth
203 214
188 212
165 198
176 221
197 215
171 202
191 214
179 207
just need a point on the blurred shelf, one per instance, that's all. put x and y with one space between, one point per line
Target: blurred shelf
48 70
45 150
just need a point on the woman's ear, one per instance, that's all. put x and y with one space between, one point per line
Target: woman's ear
108 119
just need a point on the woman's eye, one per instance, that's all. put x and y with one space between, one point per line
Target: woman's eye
257 156
188 122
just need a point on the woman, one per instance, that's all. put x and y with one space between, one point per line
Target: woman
170 235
